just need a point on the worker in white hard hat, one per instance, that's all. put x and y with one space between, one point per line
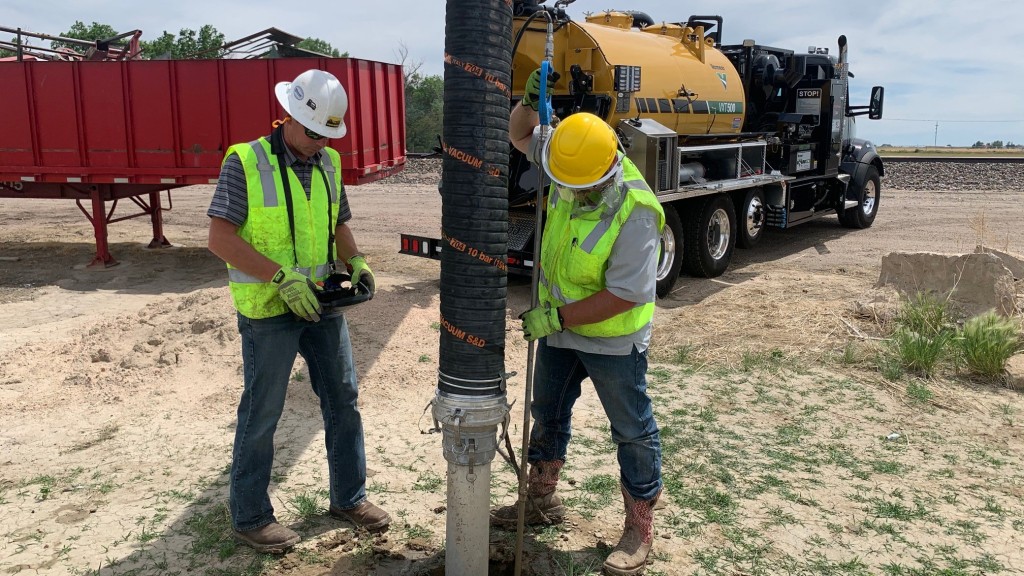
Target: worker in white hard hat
279 219
598 262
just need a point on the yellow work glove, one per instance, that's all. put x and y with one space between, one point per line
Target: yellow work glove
540 322
532 90
296 289
361 271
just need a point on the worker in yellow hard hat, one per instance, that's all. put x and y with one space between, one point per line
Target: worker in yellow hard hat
598 262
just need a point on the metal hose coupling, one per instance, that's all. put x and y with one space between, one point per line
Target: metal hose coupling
469 426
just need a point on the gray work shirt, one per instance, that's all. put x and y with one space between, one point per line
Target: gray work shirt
631 275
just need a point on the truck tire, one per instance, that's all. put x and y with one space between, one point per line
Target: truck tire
863 216
670 260
751 216
709 237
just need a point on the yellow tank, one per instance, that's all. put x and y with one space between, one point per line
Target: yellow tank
685 82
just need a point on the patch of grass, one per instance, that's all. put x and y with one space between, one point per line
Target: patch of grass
917 352
917 391
887 467
211 532
424 357
417 531
594 493
987 342
428 482
306 504
683 355
771 361
46 485
897 510
925 314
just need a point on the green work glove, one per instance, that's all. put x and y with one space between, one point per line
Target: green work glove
539 322
297 292
532 94
359 269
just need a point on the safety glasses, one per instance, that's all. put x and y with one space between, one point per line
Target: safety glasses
313 135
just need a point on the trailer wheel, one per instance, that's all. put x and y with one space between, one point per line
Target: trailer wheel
670 259
710 236
752 216
863 216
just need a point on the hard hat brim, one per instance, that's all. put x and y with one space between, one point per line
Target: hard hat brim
281 91
545 156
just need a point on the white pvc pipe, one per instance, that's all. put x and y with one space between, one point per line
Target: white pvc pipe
467 548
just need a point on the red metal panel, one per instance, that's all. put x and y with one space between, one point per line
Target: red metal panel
57 132
15 118
152 114
143 122
103 117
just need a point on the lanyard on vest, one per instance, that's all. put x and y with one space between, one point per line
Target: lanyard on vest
285 180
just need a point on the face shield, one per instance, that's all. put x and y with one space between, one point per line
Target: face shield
607 193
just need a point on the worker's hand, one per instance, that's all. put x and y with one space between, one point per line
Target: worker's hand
361 270
297 292
540 322
532 94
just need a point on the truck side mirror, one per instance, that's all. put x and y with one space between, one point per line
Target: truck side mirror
875 108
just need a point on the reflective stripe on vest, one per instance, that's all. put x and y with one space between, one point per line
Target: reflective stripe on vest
575 253
267 227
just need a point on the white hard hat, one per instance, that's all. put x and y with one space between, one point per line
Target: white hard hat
317 100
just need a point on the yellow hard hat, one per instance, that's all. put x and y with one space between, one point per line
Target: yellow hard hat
581 151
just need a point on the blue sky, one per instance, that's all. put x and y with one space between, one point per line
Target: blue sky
953 63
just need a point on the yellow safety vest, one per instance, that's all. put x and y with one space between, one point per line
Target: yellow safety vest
575 253
267 229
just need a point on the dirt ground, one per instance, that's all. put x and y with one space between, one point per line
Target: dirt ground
118 386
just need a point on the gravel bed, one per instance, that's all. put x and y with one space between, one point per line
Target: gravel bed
953 176
898 175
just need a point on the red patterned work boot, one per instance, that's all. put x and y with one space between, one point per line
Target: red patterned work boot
630 555
543 506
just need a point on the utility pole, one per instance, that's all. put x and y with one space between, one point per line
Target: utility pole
936 133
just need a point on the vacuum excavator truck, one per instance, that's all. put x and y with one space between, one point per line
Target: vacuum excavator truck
732 138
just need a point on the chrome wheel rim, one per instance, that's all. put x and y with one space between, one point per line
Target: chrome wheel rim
718 234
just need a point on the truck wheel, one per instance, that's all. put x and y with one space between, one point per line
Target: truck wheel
671 258
752 216
863 216
709 237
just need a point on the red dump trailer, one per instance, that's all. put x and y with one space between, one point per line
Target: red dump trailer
99 131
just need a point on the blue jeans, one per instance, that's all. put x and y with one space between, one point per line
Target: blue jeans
621 384
269 347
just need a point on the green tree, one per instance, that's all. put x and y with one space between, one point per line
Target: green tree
978 144
321 46
423 111
187 45
997 144
162 47
80 31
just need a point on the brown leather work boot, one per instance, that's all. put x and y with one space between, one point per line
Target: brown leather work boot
272 538
630 555
365 515
543 506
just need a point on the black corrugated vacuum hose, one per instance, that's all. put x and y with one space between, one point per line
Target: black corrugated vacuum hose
474 196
